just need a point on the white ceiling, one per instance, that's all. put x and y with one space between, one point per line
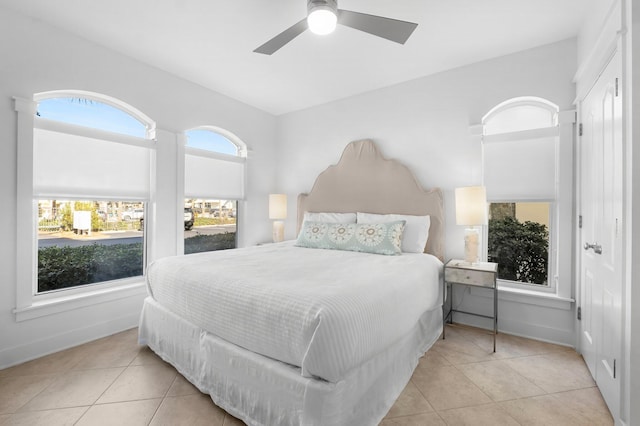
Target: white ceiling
210 42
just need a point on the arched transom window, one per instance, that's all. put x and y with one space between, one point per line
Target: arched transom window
215 139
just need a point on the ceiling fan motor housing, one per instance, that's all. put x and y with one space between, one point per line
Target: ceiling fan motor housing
331 5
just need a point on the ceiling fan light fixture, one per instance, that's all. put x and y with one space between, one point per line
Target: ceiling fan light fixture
322 21
322 16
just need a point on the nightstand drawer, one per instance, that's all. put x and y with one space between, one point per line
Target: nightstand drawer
470 277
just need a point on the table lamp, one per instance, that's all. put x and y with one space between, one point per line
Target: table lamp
278 212
471 211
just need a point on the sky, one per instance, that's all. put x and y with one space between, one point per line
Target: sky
101 116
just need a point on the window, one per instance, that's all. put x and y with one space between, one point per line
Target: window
519 241
82 111
209 225
214 188
520 152
84 242
90 185
210 140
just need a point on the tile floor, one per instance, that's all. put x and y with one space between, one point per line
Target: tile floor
113 381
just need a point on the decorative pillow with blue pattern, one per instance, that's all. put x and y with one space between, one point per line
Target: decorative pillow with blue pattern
377 238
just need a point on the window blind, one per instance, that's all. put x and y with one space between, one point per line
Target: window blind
212 177
520 170
82 166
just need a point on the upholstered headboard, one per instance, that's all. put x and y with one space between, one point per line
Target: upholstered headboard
365 181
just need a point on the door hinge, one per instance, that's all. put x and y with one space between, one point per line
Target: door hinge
579 313
616 86
580 221
580 129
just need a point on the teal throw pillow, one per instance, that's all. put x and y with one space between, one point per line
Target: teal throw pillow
377 238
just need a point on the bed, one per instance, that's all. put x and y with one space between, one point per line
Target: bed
281 334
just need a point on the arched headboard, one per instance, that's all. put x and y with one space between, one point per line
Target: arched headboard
365 181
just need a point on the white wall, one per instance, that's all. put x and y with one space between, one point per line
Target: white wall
36 58
425 124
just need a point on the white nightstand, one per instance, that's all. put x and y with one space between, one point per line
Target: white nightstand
480 274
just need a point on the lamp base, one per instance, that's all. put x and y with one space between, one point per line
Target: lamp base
278 231
471 238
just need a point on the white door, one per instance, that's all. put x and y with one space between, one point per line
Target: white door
601 168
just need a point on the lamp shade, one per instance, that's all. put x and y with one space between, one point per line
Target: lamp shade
471 206
277 206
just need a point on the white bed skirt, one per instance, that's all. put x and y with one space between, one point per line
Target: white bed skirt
263 391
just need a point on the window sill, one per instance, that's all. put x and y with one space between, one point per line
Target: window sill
529 297
65 303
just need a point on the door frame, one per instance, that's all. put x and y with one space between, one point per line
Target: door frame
614 48
586 78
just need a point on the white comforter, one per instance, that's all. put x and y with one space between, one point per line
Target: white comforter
325 311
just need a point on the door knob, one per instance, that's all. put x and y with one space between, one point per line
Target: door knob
597 248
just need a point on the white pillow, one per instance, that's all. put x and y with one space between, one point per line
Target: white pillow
330 217
416 229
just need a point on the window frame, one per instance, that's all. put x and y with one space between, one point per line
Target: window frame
240 157
560 280
30 304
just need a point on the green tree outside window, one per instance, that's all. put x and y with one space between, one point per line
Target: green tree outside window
520 249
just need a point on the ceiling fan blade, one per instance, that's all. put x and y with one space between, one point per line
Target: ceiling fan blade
283 38
391 29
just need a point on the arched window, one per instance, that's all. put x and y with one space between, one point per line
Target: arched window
91 113
214 139
92 157
524 113
214 185
520 166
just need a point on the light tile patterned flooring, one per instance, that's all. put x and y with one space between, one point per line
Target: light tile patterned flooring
113 381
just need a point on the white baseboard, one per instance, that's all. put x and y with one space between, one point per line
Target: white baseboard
522 329
67 339
551 322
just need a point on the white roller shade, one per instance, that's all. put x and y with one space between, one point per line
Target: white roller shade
520 169
212 177
74 165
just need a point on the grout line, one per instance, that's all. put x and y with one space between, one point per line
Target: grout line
82 415
164 397
420 391
46 409
408 416
127 400
110 384
54 378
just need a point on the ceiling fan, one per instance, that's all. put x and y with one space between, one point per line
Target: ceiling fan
322 17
